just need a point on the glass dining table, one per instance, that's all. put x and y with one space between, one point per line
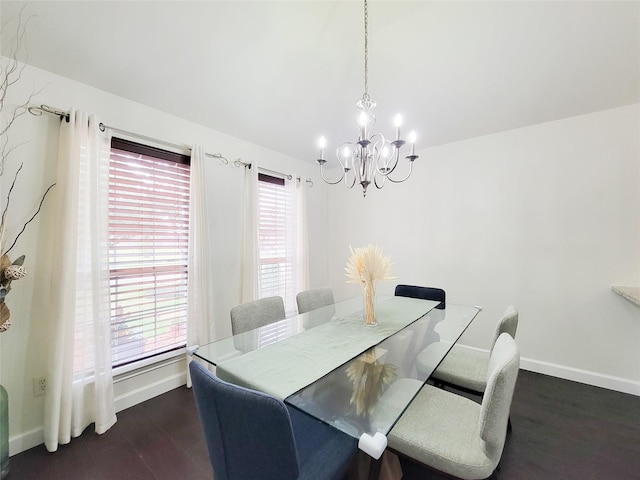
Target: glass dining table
329 364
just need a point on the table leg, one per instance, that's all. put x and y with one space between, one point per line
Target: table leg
387 467
374 468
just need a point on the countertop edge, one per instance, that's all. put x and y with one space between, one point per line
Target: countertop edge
630 293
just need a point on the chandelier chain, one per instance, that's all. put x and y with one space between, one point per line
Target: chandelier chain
366 50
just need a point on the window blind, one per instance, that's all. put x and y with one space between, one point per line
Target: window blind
276 240
148 249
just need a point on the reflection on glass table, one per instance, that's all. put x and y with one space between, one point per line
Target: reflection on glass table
370 392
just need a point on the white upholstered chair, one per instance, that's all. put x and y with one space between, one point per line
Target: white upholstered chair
314 299
454 434
257 313
466 369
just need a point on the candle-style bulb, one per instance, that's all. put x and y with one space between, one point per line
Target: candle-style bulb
346 153
412 139
363 121
398 123
322 142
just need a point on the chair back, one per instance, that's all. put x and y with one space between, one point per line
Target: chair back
248 433
496 402
507 324
425 293
314 299
257 313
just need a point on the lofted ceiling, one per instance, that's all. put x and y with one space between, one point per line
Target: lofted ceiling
281 73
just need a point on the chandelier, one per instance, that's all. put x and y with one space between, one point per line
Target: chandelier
372 158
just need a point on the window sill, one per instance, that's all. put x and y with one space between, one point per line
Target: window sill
134 369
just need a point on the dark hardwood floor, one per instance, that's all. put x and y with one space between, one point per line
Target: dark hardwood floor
561 430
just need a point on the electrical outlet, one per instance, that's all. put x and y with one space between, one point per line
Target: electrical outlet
39 386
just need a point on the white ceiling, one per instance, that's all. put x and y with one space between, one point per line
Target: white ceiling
281 73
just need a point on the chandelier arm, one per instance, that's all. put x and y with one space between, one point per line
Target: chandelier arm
375 181
331 182
395 164
405 178
346 182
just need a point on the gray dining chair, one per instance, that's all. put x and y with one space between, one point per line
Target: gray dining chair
257 313
425 293
454 434
251 435
466 369
313 299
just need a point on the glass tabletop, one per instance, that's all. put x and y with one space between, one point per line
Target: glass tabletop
370 392
328 364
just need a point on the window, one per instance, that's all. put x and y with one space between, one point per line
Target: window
277 240
148 242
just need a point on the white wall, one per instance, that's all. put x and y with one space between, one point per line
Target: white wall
545 217
23 349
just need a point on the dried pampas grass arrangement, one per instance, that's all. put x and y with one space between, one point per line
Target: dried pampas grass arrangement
366 267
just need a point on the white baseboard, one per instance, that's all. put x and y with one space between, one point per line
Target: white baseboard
25 441
149 391
144 390
610 382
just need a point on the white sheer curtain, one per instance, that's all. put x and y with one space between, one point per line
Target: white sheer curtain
249 274
302 236
80 382
295 243
200 322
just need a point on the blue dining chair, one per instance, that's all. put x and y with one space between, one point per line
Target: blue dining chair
425 293
251 435
430 337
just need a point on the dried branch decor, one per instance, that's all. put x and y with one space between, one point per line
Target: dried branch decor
10 73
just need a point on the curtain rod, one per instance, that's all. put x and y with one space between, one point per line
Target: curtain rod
288 176
38 110
240 163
